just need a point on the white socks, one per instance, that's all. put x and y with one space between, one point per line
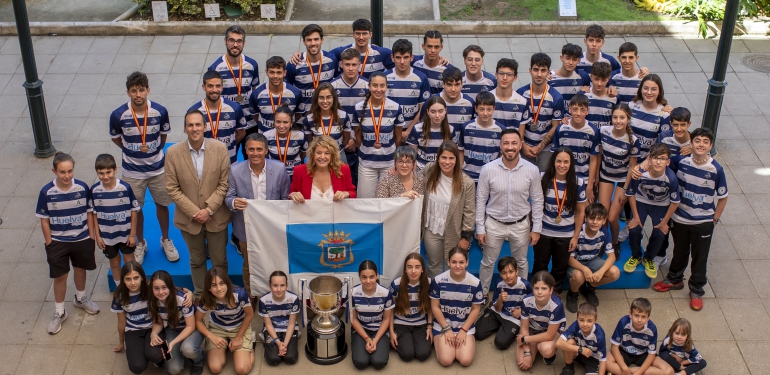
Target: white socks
59 308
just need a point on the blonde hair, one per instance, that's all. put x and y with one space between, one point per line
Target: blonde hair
683 325
334 149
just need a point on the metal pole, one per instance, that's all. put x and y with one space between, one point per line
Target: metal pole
377 20
717 83
34 86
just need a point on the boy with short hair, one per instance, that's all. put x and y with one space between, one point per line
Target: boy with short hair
266 98
476 80
502 317
546 107
372 58
587 270
406 86
430 63
584 139
700 179
115 211
567 80
480 138
459 107
627 79
594 41
351 89
511 108
600 103
584 342
223 119
635 342
654 194
678 138
315 66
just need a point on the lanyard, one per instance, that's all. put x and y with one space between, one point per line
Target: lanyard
214 127
143 133
285 155
280 98
376 124
559 201
312 74
536 114
323 126
363 64
240 73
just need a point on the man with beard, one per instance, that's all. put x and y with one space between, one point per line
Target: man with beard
508 191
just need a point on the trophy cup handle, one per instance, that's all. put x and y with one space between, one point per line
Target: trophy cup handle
301 289
349 301
346 283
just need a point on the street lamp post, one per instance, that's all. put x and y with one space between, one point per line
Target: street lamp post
717 83
377 20
33 85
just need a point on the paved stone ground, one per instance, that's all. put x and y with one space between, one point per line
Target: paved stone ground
84 81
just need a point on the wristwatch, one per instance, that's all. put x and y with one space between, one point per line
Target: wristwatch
211 212
522 339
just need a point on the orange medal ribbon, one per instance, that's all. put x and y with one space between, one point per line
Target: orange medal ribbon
214 127
559 201
240 75
312 74
286 148
143 133
376 124
536 114
363 64
280 98
323 126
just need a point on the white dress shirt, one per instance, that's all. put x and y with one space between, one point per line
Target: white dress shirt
259 184
197 158
509 194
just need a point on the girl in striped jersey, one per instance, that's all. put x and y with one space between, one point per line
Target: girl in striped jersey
334 122
542 318
279 309
411 332
619 149
172 308
678 350
456 297
649 113
134 322
370 318
229 325
565 199
284 143
427 136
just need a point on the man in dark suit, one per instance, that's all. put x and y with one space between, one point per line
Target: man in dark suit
256 178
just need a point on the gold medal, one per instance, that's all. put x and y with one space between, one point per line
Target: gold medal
558 219
377 145
144 148
559 201
239 99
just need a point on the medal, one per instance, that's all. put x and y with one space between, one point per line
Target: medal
558 219
142 132
323 126
313 77
238 81
144 148
285 154
376 124
536 114
559 201
214 127
377 145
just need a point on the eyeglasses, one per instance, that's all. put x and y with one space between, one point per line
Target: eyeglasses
506 74
660 159
235 41
404 163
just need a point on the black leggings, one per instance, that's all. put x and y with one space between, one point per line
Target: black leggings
556 251
412 342
139 352
271 351
689 369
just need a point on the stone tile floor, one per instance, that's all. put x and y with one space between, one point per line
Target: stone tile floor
84 81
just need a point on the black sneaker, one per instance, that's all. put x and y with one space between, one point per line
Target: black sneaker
567 371
196 369
550 361
234 241
572 301
590 295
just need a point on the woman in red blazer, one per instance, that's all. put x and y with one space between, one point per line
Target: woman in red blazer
323 177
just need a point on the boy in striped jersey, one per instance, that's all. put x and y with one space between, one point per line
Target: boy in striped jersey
701 178
459 107
406 86
314 66
476 80
351 89
480 138
627 79
599 101
587 270
678 139
431 64
584 139
567 80
511 108
584 342
372 58
502 317
594 41
635 343
265 99
115 211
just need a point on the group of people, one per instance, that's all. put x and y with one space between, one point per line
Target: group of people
555 164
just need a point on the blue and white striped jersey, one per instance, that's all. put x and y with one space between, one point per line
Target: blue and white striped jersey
626 86
137 164
113 211
552 109
595 340
648 125
455 299
229 121
434 74
350 95
600 109
341 125
488 82
480 145
66 211
516 294
657 191
279 311
183 310
512 112
457 113
541 318
409 92
698 184
566 228
382 157
428 151
585 66
668 139
248 79
415 316
378 58
137 313
569 86
302 76
584 143
370 309
292 152
678 350
635 342
226 318
262 107
589 248
616 154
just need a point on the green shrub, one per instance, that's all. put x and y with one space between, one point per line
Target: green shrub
195 7
705 11
252 6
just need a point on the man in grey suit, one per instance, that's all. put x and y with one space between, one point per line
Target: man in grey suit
256 178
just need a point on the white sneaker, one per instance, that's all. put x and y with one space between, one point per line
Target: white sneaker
141 249
86 304
56 320
659 261
168 247
623 235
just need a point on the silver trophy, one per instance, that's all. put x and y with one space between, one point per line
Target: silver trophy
326 333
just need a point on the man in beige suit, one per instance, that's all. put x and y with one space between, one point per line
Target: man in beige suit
196 180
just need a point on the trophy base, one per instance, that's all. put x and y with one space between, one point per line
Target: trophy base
327 361
326 348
